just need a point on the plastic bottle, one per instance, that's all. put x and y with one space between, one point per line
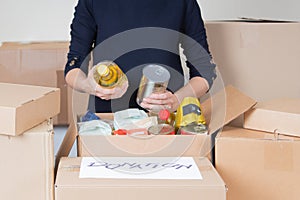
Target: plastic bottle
108 74
166 117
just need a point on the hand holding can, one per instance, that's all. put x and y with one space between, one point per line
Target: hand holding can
155 79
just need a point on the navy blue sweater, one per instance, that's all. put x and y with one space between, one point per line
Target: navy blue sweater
137 32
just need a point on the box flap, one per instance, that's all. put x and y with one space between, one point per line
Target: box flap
264 20
225 106
17 95
287 105
38 45
241 133
252 20
278 115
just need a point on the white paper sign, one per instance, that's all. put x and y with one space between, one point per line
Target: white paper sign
139 168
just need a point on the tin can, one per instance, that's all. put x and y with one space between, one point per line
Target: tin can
189 112
161 129
155 79
194 129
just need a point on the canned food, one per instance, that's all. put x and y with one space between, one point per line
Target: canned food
189 112
161 129
194 129
155 79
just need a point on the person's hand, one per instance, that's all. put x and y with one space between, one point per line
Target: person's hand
166 100
105 93
111 93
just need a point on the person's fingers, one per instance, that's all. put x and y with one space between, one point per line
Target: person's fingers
152 106
159 99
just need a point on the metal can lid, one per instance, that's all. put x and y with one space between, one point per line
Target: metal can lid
161 129
156 73
194 128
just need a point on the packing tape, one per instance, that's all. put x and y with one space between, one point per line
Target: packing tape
71 168
278 155
277 136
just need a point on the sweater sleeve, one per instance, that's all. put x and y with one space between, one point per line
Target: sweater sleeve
199 59
83 33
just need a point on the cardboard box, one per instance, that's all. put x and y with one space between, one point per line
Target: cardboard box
27 163
260 58
69 186
256 165
34 64
69 108
223 107
23 107
280 115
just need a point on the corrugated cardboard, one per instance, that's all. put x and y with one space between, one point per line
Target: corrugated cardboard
69 186
219 110
65 100
27 163
280 115
254 165
23 107
259 58
33 64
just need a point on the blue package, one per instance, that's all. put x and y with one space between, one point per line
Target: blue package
89 116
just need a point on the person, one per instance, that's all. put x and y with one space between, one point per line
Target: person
95 21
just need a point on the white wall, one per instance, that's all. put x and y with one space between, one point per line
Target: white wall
38 20
44 20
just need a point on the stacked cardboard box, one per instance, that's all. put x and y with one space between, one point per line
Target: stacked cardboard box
259 162
39 63
70 187
261 59
26 140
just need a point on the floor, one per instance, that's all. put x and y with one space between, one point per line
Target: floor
59 134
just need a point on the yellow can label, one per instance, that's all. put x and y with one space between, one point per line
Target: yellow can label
188 112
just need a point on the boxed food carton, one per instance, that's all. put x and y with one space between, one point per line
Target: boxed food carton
71 185
24 106
259 57
27 164
220 109
280 116
258 165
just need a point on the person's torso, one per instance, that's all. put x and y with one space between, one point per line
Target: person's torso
134 33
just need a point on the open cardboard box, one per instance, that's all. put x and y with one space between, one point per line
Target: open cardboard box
24 106
258 165
69 186
224 106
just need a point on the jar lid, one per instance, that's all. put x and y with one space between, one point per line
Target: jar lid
156 73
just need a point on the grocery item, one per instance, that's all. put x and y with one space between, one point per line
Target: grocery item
108 74
155 79
189 112
161 129
193 129
166 117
